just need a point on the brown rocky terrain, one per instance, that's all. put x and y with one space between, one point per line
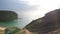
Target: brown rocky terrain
50 22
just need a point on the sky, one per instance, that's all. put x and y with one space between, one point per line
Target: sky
30 8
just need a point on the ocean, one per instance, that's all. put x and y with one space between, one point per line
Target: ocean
19 23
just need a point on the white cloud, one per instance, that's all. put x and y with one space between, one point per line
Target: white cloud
46 4
44 7
33 7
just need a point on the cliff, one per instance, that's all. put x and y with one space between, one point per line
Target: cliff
48 23
6 15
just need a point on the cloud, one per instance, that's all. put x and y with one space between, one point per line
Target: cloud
16 5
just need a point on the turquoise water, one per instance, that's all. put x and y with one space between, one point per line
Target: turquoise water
20 23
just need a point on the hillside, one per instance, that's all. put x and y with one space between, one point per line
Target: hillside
6 15
48 23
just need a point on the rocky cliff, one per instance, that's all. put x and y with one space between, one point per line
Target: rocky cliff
6 15
48 23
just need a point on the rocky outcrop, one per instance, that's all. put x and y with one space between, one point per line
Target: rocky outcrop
6 15
48 23
54 32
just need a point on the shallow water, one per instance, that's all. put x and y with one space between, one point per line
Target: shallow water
20 23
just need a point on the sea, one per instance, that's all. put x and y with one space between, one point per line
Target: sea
19 23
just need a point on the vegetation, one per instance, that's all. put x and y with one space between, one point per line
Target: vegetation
12 30
6 15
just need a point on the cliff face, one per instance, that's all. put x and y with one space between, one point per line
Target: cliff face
48 23
7 15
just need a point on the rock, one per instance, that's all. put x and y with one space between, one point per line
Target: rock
48 23
3 30
12 30
6 15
